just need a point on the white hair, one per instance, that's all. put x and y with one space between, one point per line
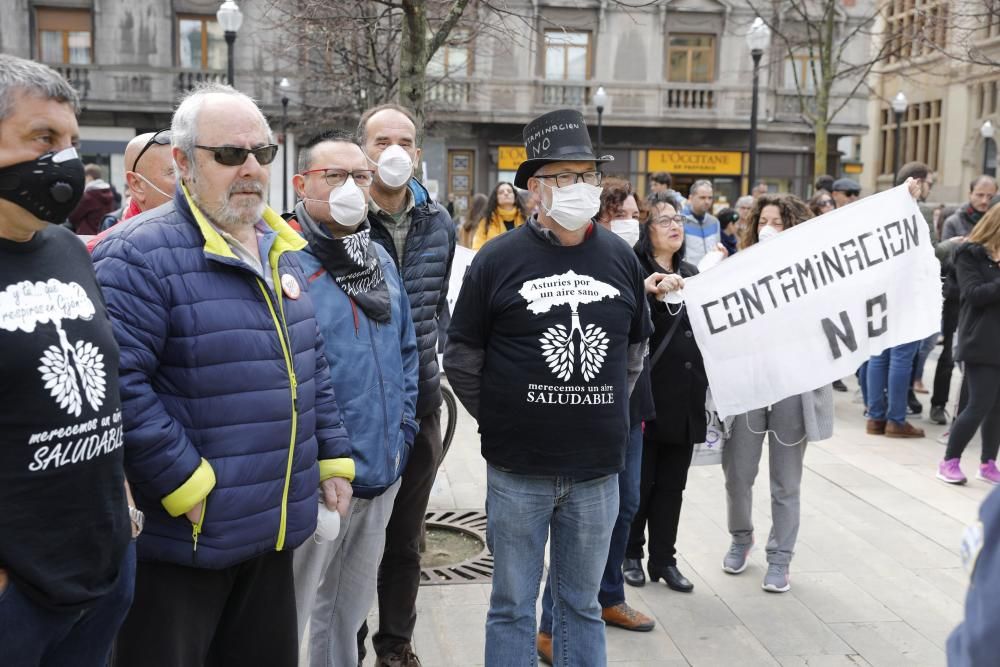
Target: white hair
184 125
745 200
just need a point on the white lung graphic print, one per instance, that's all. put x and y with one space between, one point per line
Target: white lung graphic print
73 372
566 347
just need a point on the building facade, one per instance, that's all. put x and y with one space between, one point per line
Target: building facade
951 81
677 73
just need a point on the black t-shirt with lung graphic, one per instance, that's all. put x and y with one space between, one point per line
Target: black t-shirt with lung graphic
555 323
64 523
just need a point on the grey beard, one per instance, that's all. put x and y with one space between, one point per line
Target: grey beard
224 216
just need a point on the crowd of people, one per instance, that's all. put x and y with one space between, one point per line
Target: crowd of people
222 423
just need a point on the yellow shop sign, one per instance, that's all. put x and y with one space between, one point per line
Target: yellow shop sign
509 158
696 162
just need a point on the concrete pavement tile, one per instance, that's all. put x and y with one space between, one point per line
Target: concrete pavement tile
624 645
843 474
785 626
929 611
723 645
833 597
890 644
822 661
843 549
682 611
953 581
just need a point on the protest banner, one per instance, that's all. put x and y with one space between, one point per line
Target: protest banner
810 306
459 266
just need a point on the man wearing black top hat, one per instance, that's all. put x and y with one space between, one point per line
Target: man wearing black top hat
544 347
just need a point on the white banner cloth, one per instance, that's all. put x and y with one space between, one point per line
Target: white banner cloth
810 306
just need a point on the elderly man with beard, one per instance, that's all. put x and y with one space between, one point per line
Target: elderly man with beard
232 429
364 315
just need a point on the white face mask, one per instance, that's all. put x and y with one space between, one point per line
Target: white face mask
768 233
627 229
153 185
348 204
394 166
575 205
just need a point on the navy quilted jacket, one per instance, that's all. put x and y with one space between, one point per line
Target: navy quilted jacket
226 393
426 265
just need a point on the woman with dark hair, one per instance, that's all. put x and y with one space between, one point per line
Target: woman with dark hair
678 383
620 209
473 215
977 267
504 211
789 424
821 202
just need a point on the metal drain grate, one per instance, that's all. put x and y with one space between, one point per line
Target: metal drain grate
475 570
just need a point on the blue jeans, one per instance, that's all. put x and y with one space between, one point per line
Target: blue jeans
521 512
924 351
863 383
34 635
613 583
889 376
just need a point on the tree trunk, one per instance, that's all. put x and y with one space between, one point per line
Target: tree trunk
820 148
413 57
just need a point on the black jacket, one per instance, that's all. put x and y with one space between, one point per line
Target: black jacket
429 250
979 318
678 378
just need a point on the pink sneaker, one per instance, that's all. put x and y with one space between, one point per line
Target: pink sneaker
988 472
949 472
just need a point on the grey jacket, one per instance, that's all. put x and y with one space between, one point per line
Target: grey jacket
817 415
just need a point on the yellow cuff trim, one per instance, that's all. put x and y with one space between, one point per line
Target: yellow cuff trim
193 491
336 468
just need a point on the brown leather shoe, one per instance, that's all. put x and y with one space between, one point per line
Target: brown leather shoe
875 427
543 644
623 616
902 430
404 657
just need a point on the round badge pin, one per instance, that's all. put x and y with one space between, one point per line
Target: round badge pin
290 286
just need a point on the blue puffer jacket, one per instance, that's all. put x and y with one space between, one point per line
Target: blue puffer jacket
374 371
226 393
427 257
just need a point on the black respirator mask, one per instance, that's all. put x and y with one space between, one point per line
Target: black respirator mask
49 187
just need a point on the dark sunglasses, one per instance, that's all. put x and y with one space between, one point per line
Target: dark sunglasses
161 138
852 193
232 156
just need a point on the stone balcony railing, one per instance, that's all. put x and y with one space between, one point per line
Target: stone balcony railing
123 87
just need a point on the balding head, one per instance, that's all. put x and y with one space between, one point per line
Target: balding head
149 169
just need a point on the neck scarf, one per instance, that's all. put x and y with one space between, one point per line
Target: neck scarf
972 215
508 217
352 262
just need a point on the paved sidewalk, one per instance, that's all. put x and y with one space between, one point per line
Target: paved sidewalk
876 579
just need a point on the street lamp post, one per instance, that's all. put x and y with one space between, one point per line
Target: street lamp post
285 86
899 104
987 131
230 19
758 38
600 101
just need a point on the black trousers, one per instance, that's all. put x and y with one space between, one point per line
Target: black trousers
946 362
399 574
661 491
983 409
187 617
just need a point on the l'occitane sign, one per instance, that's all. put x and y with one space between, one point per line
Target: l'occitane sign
510 158
696 162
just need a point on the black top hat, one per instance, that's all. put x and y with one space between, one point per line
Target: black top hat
555 137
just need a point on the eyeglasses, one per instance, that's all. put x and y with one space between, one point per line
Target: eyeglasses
567 178
337 177
666 222
233 156
161 138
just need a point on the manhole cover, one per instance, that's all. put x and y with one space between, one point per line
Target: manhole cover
456 550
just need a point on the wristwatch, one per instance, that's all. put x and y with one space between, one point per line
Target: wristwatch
138 518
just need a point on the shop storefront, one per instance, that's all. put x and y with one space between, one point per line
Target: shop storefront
723 168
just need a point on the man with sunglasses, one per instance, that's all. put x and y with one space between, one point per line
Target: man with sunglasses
150 177
364 317
545 344
845 191
231 422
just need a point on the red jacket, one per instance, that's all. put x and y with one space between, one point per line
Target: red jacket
133 209
96 203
